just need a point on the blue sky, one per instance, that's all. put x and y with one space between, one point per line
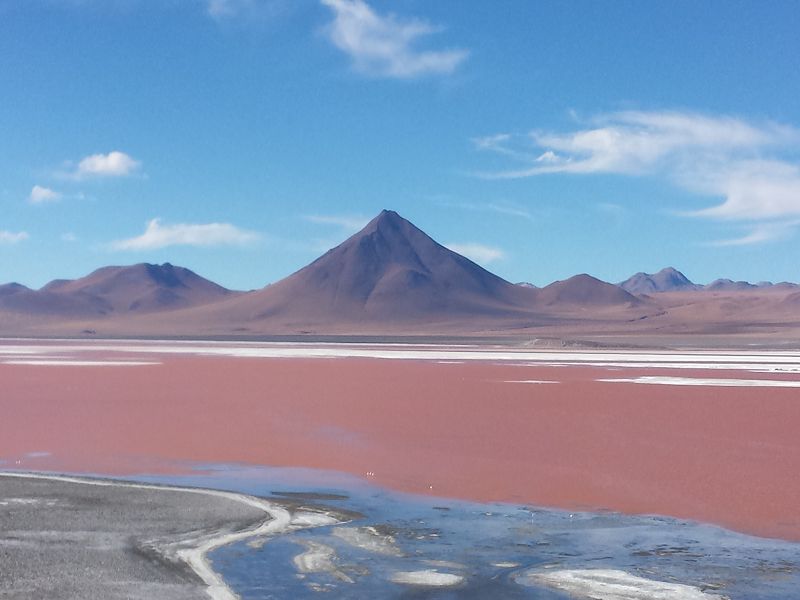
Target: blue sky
242 138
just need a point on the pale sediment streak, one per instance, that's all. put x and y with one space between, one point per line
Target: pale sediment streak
696 381
80 363
757 361
613 584
319 558
368 538
427 578
194 552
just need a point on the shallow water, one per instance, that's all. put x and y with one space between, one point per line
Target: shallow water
495 548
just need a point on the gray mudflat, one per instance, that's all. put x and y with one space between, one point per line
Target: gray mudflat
61 540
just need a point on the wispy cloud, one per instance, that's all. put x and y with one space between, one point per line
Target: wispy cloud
748 165
69 237
615 212
479 253
223 10
157 235
43 195
10 237
386 45
95 166
637 143
501 208
761 233
350 223
611 208
753 189
504 143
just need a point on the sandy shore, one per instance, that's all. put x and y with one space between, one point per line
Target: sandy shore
66 537
728 455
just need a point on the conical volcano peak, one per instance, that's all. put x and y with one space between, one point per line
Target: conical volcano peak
674 275
388 241
389 216
389 271
387 220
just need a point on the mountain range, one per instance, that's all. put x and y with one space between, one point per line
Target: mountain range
390 278
672 280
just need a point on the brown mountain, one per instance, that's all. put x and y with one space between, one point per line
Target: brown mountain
140 288
390 272
728 285
666 280
8 289
586 292
21 300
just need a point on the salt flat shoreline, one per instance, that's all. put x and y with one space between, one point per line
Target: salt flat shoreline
173 533
544 341
55 352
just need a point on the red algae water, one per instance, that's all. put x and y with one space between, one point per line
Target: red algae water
467 430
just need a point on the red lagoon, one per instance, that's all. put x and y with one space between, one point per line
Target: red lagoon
730 456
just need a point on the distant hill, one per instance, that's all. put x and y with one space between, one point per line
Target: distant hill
728 285
672 280
7 289
666 280
143 287
114 290
18 299
585 291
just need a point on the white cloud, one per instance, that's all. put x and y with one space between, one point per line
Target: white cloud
501 208
611 208
761 233
41 195
503 143
222 10
747 165
113 164
157 236
10 237
479 253
347 222
385 45
753 189
495 141
637 143
508 210
616 213
69 237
